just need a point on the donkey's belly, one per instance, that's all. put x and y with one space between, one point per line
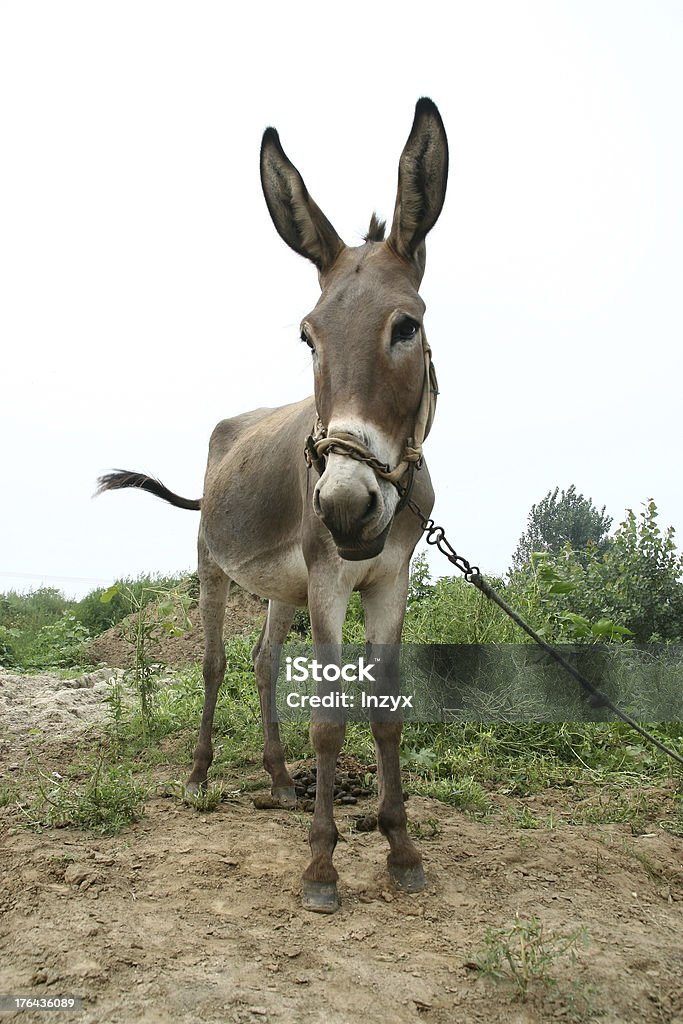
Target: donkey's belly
279 575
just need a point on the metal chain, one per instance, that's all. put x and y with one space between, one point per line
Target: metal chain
435 536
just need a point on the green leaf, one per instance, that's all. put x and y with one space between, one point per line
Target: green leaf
578 625
576 620
110 593
547 574
605 627
562 587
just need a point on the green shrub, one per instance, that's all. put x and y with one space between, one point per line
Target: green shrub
8 638
61 644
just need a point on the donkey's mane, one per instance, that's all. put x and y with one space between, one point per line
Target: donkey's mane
376 230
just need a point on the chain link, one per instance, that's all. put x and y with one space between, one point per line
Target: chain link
436 536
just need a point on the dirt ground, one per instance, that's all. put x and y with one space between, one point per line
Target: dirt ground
187 915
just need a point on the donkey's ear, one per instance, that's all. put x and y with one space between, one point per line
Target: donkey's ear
299 221
422 175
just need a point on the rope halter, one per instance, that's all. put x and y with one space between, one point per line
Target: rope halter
319 444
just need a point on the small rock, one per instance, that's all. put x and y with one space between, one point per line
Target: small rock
265 802
75 874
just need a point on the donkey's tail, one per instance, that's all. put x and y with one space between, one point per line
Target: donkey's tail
121 478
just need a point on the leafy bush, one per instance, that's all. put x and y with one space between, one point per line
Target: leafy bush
641 578
22 616
8 639
631 590
562 519
60 644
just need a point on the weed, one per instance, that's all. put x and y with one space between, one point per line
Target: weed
654 873
109 800
207 801
154 614
430 828
527 956
611 805
525 819
8 794
465 794
60 643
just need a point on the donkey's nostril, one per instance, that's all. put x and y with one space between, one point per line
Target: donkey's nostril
372 506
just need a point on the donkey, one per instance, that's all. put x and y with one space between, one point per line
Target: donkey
306 503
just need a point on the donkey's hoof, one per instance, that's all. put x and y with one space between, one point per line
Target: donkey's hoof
320 897
285 796
193 790
410 879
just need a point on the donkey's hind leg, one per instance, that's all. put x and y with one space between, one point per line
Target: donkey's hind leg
213 594
274 632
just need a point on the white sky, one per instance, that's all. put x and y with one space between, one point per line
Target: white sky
144 293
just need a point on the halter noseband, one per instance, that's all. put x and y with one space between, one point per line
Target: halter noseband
319 445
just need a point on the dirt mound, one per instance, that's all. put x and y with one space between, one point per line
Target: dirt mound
243 614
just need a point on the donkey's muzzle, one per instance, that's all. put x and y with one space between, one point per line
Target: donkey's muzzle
354 552
353 510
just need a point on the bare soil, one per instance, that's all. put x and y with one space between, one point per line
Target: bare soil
187 915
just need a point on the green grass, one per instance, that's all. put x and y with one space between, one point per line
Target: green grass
8 795
106 800
587 773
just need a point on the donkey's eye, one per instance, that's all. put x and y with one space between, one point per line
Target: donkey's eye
306 338
404 330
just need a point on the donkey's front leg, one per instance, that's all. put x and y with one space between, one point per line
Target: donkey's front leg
274 632
384 613
327 611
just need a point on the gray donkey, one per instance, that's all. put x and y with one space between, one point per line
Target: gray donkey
306 503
